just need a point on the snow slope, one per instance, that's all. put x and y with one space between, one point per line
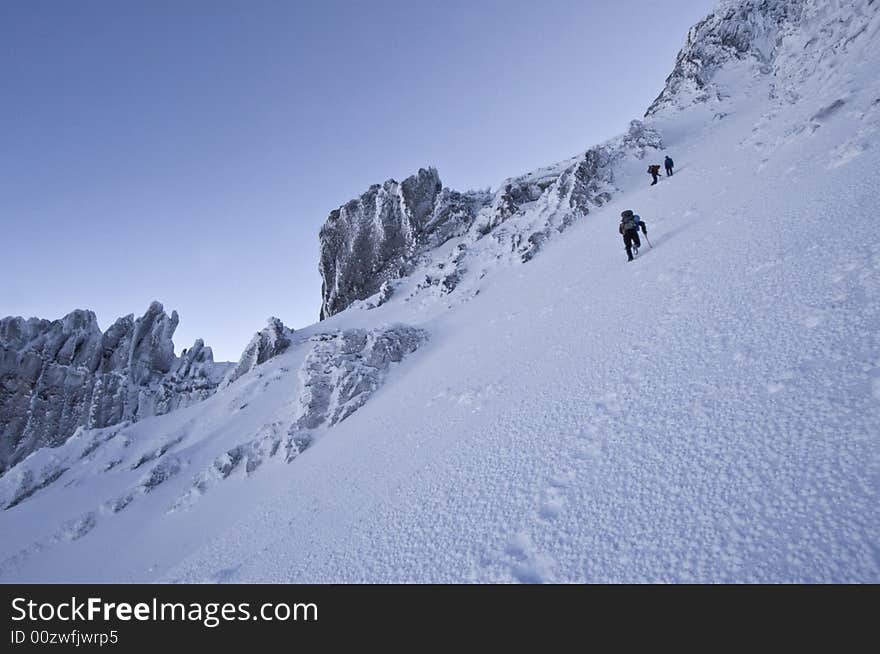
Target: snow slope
710 412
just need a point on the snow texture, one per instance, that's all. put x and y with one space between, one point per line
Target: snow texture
707 413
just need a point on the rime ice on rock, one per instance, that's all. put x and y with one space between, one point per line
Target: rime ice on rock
393 228
375 237
269 342
791 40
58 375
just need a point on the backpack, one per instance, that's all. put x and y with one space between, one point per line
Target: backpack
630 222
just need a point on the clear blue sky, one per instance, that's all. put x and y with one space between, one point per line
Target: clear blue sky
190 151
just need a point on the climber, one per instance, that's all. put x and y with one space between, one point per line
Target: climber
630 224
654 171
669 164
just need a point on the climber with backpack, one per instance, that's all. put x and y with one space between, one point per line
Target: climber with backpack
654 171
630 224
669 164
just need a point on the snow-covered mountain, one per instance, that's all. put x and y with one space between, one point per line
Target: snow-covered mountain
496 395
60 375
396 230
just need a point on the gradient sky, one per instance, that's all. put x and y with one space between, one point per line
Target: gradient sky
190 151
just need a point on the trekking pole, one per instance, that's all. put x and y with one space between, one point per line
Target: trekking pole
649 241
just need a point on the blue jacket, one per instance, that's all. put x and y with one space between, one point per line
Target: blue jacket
640 224
637 223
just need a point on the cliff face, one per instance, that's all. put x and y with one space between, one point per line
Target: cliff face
745 31
790 40
58 375
393 230
374 238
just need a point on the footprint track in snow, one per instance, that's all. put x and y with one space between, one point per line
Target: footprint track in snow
526 563
554 498
552 503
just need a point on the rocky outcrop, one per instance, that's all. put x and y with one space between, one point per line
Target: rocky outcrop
375 237
340 372
535 206
392 229
58 375
272 340
748 30
343 369
789 40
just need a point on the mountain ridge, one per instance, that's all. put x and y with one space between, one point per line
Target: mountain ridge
707 413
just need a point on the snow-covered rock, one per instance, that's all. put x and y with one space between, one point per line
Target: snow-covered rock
375 237
790 40
394 230
549 200
269 342
708 413
56 376
338 373
343 369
